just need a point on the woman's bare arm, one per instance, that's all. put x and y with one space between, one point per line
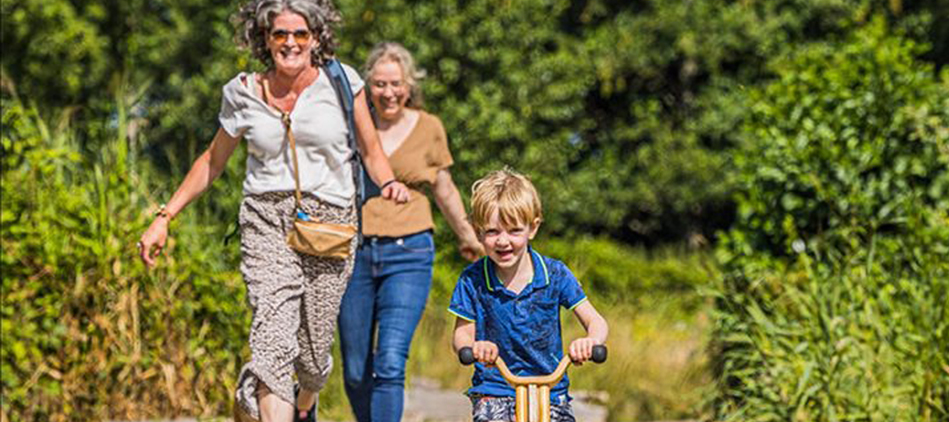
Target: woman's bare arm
449 202
205 169
377 165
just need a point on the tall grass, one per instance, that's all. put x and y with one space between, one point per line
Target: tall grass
89 334
858 339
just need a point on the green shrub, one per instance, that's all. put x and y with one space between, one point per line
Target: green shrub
87 333
833 304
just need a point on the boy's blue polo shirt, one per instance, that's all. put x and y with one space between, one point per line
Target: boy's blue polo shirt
525 326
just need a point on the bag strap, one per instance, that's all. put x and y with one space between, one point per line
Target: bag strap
285 118
365 187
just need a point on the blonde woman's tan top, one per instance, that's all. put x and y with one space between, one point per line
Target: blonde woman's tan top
415 163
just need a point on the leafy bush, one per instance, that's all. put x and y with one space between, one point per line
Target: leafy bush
87 333
833 304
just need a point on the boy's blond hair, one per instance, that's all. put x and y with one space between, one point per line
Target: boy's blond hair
510 193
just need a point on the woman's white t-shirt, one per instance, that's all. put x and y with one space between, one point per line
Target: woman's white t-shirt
319 128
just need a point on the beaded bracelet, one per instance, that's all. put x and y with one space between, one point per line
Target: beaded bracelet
162 212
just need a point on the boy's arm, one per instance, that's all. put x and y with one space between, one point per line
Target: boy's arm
485 352
464 334
597 329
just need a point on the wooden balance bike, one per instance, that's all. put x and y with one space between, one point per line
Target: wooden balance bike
532 394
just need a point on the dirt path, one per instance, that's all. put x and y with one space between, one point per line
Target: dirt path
425 401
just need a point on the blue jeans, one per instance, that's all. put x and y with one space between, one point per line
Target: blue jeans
386 294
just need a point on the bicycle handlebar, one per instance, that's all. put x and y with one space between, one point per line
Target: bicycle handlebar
466 355
532 393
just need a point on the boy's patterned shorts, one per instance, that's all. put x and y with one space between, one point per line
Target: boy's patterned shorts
489 408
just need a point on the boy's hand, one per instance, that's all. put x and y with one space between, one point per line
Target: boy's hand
581 350
485 352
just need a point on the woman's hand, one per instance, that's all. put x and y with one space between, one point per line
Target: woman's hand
470 248
153 241
205 169
396 191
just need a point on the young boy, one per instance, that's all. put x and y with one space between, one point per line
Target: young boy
508 303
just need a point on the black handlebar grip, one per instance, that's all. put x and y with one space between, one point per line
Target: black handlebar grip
599 353
466 356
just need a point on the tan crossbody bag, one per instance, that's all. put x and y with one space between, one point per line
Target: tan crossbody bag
309 236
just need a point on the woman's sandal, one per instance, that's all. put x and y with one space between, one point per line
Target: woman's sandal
308 416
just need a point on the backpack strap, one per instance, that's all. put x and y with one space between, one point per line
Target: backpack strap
365 187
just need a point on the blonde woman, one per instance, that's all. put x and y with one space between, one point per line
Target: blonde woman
294 297
386 297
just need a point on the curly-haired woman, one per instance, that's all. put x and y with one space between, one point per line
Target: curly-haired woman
294 297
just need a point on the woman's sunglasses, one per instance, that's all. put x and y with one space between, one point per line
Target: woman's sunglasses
281 36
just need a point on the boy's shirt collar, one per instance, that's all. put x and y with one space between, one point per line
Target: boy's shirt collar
541 275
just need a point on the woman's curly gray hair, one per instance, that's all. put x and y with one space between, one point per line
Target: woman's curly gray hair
388 51
255 19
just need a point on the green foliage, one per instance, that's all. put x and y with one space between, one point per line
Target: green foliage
178 52
37 33
625 113
663 114
834 302
850 139
625 274
87 333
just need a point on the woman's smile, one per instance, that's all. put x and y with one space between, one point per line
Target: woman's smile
389 92
290 42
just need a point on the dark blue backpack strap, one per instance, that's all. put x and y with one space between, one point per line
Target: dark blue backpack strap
365 188
334 69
